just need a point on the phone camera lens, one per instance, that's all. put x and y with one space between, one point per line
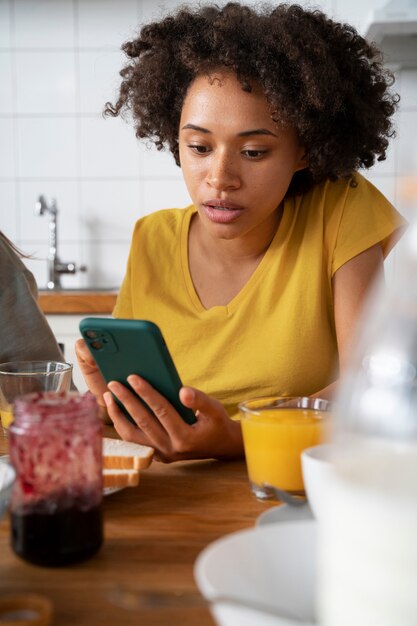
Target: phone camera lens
97 345
91 334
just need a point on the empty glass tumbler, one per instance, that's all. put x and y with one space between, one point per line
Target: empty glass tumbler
18 378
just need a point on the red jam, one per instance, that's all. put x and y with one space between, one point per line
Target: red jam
55 448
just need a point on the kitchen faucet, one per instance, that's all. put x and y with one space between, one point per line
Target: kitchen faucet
55 266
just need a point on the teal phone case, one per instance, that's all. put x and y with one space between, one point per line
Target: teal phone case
122 347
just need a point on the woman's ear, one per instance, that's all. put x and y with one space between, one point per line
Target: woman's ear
302 161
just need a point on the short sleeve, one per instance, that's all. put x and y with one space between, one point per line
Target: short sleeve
367 218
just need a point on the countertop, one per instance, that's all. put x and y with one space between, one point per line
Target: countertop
73 302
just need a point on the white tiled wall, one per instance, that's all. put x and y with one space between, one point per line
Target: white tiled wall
59 64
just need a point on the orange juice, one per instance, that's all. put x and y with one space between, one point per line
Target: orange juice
274 440
6 416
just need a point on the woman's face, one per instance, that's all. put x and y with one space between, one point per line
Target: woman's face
236 162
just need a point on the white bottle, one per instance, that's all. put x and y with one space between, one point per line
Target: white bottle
368 537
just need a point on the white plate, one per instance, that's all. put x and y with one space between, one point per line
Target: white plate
7 477
285 513
107 491
273 565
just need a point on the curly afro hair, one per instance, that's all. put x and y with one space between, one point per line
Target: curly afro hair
318 75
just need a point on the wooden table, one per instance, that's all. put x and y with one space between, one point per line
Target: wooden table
153 534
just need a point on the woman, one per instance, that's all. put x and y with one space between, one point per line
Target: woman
258 284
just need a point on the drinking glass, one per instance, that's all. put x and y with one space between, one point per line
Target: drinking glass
275 432
18 378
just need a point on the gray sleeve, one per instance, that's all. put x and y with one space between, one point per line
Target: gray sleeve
25 334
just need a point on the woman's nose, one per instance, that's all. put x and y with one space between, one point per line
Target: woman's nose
222 173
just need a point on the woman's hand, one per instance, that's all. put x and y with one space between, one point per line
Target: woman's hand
92 375
214 435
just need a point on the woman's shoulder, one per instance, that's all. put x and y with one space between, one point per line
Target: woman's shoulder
355 196
15 277
164 221
355 185
9 261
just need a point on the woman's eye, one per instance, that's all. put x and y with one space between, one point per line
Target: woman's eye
254 154
199 149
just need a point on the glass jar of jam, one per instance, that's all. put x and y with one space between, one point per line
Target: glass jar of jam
56 502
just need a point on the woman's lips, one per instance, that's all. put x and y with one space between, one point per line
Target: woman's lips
221 211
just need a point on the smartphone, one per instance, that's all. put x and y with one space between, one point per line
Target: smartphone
122 347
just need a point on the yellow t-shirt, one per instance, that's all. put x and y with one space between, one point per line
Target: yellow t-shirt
277 335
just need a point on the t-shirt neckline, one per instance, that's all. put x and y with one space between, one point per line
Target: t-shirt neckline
227 309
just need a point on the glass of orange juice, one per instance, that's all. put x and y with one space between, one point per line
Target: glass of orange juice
275 432
18 378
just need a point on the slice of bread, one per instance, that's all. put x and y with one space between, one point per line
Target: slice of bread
119 478
119 454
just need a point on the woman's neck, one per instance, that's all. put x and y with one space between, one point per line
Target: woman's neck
248 248
220 268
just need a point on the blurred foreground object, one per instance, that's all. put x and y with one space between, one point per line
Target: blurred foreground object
56 502
367 547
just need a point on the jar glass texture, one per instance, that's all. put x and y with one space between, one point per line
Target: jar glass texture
56 450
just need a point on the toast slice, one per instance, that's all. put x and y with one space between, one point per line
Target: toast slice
120 478
125 455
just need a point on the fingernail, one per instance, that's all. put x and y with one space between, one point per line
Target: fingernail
107 398
190 394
